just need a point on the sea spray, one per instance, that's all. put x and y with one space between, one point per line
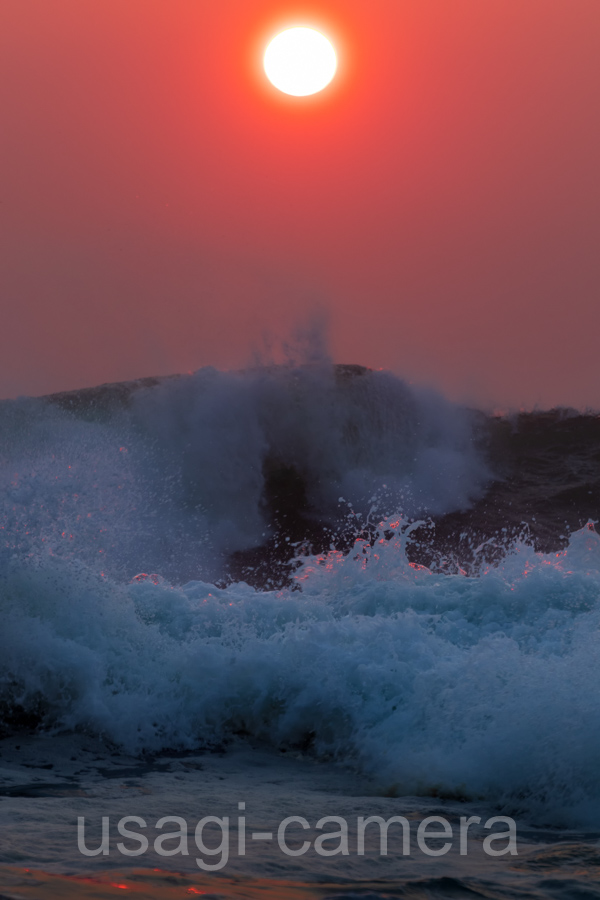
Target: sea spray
179 476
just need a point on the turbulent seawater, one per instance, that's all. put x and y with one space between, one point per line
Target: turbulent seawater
323 558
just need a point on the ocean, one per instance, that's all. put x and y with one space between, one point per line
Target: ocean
297 591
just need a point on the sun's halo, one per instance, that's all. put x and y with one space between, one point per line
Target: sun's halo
300 61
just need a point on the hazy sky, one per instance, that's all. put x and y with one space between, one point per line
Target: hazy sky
162 206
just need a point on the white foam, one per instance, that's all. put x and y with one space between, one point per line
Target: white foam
485 686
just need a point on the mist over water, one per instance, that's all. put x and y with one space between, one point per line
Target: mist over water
435 683
174 480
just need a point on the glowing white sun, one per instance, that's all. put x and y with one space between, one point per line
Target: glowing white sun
300 61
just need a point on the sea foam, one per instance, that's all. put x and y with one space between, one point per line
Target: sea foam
438 684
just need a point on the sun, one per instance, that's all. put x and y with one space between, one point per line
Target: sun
300 61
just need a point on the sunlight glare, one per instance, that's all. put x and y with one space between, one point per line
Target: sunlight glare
300 61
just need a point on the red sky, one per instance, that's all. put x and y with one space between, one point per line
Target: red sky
162 206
